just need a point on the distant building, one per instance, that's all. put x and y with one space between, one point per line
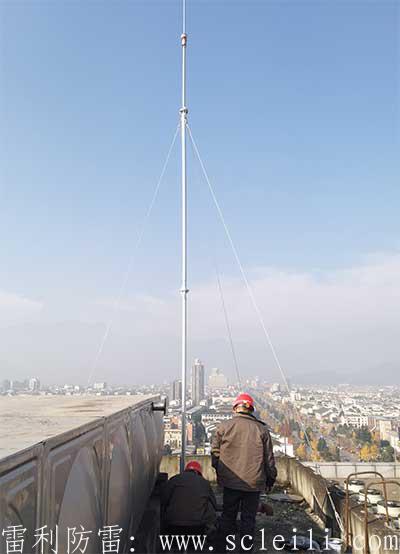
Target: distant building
217 379
294 395
100 386
173 437
394 441
6 385
356 420
275 387
282 444
212 416
34 384
197 382
195 412
18 385
385 429
176 390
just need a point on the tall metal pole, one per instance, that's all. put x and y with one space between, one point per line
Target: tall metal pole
184 290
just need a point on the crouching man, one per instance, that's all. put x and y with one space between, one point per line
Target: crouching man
244 461
188 503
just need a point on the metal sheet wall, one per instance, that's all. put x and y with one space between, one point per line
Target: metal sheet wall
99 474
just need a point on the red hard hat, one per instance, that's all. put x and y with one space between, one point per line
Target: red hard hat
194 466
244 400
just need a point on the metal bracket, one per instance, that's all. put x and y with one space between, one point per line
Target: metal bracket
159 406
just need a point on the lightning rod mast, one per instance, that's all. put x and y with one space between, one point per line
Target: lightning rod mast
184 290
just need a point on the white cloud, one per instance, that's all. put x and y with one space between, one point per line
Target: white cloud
339 320
324 322
14 307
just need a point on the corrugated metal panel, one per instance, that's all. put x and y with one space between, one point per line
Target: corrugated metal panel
99 474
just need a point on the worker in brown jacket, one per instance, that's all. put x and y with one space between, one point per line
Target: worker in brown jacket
243 458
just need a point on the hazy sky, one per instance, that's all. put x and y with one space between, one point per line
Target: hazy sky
295 108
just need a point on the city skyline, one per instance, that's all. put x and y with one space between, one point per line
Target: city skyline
359 424
314 423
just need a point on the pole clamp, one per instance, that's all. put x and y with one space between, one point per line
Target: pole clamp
159 406
184 39
184 291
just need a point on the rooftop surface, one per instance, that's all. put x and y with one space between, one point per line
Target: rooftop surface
286 517
27 420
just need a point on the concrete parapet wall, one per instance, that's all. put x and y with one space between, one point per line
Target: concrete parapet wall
170 465
313 487
340 470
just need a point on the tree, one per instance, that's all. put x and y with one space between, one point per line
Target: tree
387 454
363 435
374 452
344 430
309 433
315 455
333 454
301 452
294 426
322 446
365 453
375 436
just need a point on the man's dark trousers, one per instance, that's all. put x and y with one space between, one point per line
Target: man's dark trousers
247 503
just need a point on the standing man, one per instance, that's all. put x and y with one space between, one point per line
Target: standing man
243 458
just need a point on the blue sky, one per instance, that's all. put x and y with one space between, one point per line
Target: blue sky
294 106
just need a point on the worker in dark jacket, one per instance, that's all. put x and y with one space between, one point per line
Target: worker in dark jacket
243 458
188 502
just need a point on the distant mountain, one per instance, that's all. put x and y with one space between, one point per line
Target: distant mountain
382 374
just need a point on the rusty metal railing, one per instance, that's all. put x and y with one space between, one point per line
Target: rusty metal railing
384 482
348 508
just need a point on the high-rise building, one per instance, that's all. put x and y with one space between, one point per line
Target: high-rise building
275 387
34 384
197 382
217 379
176 390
